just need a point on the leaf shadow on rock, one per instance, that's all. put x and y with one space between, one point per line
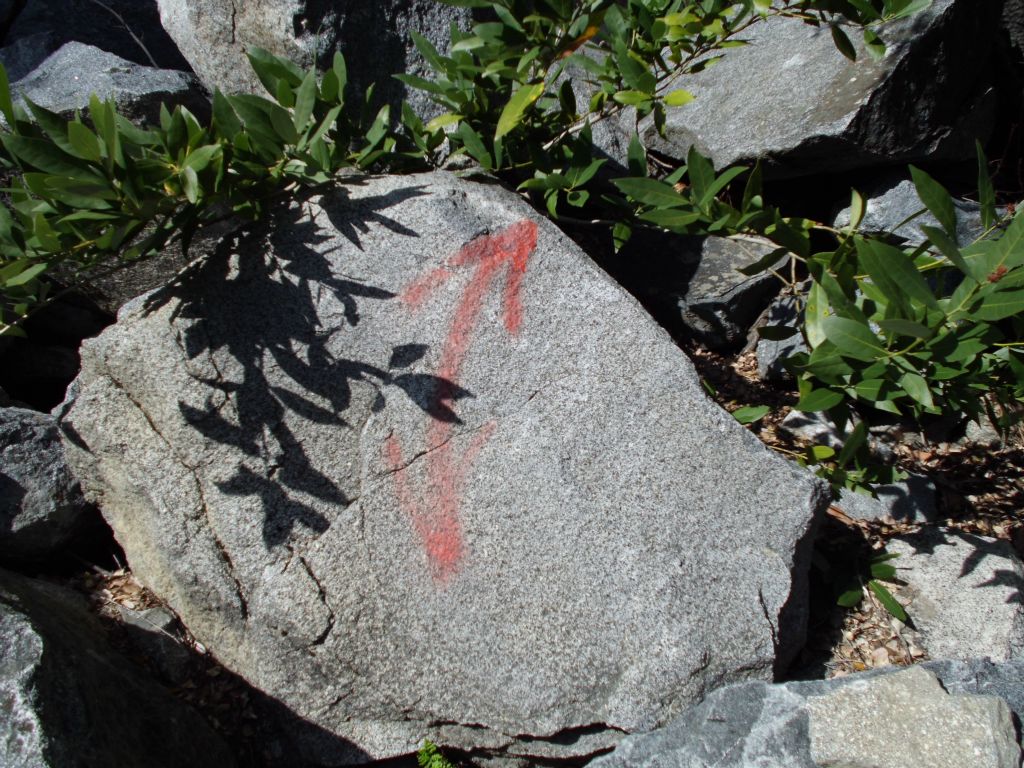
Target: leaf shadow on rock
981 548
257 301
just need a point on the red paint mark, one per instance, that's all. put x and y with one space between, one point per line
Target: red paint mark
435 516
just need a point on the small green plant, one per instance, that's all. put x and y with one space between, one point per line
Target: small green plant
871 576
98 193
429 756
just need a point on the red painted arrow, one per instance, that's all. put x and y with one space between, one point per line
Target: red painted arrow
435 515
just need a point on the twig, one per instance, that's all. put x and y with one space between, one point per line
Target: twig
124 24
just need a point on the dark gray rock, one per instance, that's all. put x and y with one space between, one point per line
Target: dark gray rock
896 717
1013 24
964 593
791 99
895 200
373 36
69 700
136 36
23 55
908 501
772 353
383 470
155 633
41 504
720 303
64 82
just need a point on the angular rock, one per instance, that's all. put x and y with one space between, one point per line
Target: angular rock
793 101
875 719
127 28
894 201
907 501
385 471
965 593
375 38
907 718
720 303
69 700
64 82
771 353
41 504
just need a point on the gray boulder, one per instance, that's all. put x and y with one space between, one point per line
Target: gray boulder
69 700
792 100
964 593
41 504
878 719
64 82
385 471
895 200
375 38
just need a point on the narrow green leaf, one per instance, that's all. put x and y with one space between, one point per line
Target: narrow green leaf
853 339
842 43
475 146
936 199
915 386
516 108
887 600
6 106
1000 305
305 100
894 273
986 194
26 276
947 246
905 328
701 174
751 413
819 400
850 597
651 192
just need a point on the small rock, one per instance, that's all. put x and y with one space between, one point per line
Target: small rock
907 501
895 200
965 593
64 82
816 428
41 504
771 354
70 700
908 719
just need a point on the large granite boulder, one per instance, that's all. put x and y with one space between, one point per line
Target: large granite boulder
41 505
945 714
792 100
375 38
68 700
408 461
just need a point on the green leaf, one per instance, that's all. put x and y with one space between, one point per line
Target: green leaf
818 453
701 174
915 386
26 276
751 413
225 121
6 106
851 597
818 400
986 194
85 142
894 273
842 43
853 339
305 100
44 156
516 108
936 199
270 68
651 192
883 571
770 259
200 158
905 328
636 156
678 98
874 44
888 601
815 312
631 98
190 184
857 209
1000 305
948 247
475 146
675 220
